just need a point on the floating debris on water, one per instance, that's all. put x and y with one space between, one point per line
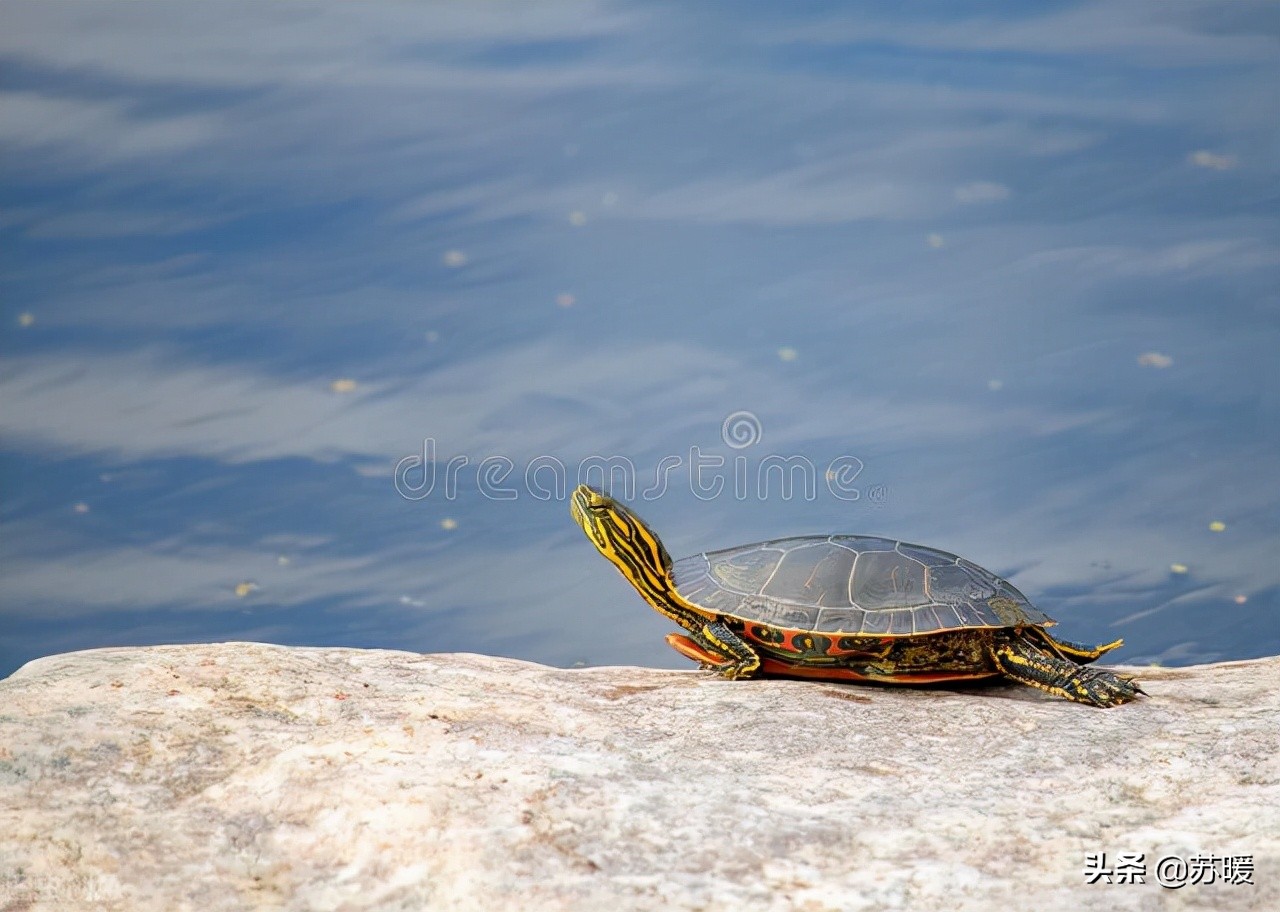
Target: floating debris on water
1155 359
1240 599
936 241
246 588
81 507
787 353
577 218
454 258
343 385
995 385
282 560
1217 526
448 524
1178 568
1214 161
564 299
26 319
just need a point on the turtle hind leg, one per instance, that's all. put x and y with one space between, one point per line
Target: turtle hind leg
1077 652
1025 663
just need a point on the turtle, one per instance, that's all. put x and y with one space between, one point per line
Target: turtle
856 608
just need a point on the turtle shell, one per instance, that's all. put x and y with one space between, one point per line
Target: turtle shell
858 585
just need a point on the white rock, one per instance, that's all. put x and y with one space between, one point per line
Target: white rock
244 776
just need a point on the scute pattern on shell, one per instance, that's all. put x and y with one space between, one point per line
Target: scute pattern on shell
852 584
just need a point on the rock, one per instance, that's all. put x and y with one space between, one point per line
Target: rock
238 776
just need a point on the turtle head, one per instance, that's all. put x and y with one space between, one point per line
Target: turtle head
622 537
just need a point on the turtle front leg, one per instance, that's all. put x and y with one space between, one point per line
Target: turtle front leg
1027 664
717 647
691 650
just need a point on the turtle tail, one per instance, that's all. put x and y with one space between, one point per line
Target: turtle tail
1072 651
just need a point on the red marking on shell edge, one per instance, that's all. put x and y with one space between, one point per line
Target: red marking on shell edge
833 649
776 669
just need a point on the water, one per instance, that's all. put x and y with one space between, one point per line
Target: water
1019 273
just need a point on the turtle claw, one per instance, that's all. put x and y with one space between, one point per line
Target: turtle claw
735 670
1103 688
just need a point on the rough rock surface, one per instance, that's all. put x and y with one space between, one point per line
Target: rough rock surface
244 776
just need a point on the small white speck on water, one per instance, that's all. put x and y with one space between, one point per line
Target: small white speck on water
343 385
431 336
936 241
448 524
1155 359
577 218
787 353
26 319
1217 526
81 507
995 385
1178 568
245 589
1214 161
454 258
564 299
1240 599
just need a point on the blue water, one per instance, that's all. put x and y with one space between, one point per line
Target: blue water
1015 271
